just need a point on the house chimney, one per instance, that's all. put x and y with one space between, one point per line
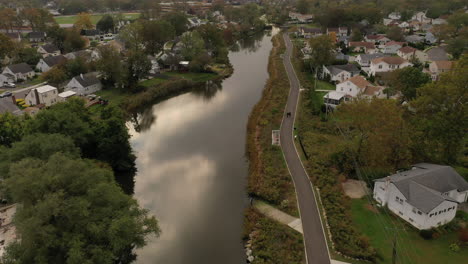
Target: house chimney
37 96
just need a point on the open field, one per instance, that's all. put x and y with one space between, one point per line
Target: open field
94 18
413 248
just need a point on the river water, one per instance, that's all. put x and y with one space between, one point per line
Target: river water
191 164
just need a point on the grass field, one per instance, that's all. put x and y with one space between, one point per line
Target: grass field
94 18
410 245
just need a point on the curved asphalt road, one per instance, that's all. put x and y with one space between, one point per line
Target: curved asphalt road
314 238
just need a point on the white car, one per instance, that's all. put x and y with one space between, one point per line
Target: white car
10 85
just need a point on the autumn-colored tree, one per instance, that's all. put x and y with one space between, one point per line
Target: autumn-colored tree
55 76
9 19
83 21
321 51
407 81
378 131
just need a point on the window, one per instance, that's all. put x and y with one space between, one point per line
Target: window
350 89
400 212
414 210
431 215
419 212
341 88
411 220
380 66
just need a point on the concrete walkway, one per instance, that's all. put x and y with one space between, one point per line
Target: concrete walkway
280 216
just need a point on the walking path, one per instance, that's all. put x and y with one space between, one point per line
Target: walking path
316 249
280 216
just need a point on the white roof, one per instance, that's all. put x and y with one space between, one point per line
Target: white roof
184 63
67 94
334 95
45 89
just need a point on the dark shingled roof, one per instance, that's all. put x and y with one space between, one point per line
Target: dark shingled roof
54 60
20 68
50 48
87 80
335 69
424 185
36 35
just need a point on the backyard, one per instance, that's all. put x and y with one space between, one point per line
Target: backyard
411 247
94 18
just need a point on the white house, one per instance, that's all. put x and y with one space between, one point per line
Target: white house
84 84
387 64
62 97
394 15
48 50
306 32
339 31
7 227
339 73
355 87
365 59
45 64
407 52
421 17
378 40
19 72
439 21
426 196
46 95
438 67
392 47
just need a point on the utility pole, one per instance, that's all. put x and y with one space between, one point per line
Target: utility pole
394 254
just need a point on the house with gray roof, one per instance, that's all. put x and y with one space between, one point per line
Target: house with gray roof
84 84
437 54
19 72
37 36
340 73
365 59
45 64
48 50
425 196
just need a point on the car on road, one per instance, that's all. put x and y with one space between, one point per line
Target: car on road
5 94
9 85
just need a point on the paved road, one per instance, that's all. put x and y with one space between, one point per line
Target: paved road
314 237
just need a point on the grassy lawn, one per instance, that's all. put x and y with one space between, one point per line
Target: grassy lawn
115 96
410 245
321 85
152 82
94 18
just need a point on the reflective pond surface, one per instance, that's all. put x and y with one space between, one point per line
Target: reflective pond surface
191 164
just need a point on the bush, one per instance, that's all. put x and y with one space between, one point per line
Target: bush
426 234
455 247
463 235
462 216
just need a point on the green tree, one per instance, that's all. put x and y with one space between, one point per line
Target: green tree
457 46
75 67
73 41
441 116
395 33
321 51
106 24
303 6
132 35
11 129
6 46
155 34
138 67
73 212
214 42
28 55
55 76
192 45
110 66
178 20
356 35
407 81
83 21
378 132
151 9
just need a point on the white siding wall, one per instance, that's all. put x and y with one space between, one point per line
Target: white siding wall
42 66
441 217
76 87
49 98
348 88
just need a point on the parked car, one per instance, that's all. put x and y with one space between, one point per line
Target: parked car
9 85
5 94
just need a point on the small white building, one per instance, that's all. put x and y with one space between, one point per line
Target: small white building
46 95
62 97
45 64
48 50
421 17
20 72
426 196
339 73
387 64
84 84
7 228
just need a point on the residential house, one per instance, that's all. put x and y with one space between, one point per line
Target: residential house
366 47
430 38
84 54
7 227
301 18
421 17
438 67
84 84
394 15
36 36
387 64
48 50
437 54
15 36
392 47
439 21
414 39
415 25
365 59
19 72
307 32
45 64
353 87
155 67
194 22
339 73
62 97
91 34
407 52
6 78
46 95
339 31
425 196
389 21
377 39
404 25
